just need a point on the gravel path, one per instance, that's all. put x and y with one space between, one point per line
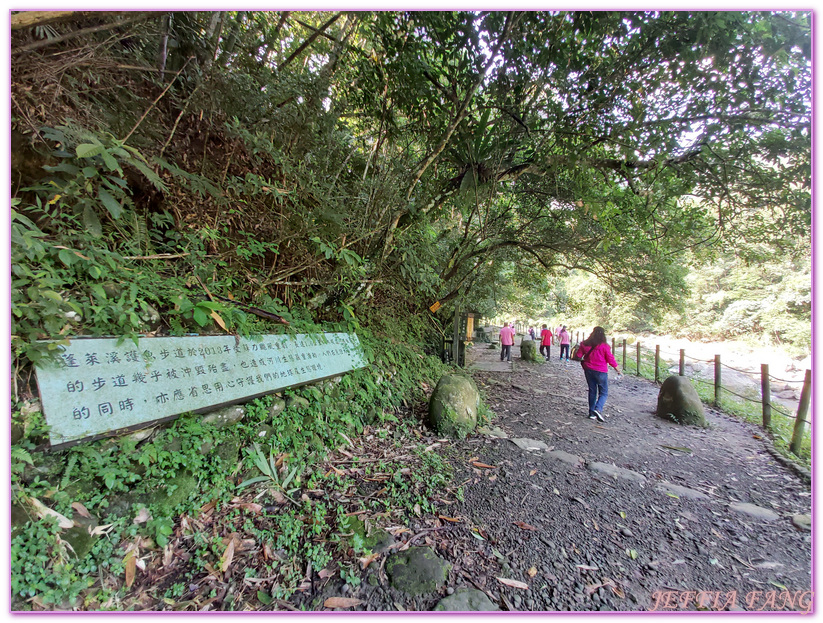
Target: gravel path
606 516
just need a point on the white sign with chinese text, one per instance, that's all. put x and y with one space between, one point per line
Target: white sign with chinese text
99 386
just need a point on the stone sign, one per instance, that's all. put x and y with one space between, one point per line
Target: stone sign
98 385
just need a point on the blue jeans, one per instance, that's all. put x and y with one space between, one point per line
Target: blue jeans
598 389
564 347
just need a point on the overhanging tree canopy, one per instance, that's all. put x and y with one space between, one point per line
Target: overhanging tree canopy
420 150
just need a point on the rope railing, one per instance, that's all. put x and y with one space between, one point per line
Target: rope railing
663 360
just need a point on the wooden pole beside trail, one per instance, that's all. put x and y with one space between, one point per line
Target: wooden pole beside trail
717 380
613 347
682 371
638 358
802 411
624 355
766 393
656 363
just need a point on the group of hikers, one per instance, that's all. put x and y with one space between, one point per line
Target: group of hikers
593 353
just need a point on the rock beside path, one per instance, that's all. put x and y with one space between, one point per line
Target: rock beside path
678 402
616 472
802 522
681 492
753 510
528 351
529 444
417 571
453 406
466 600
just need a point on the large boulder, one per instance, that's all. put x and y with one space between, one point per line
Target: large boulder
453 406
528 351
678 402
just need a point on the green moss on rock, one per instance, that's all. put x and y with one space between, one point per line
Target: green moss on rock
417 571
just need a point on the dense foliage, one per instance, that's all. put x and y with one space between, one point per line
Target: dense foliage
391 159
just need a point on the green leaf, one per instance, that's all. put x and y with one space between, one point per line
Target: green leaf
108 159
252 481
67 257
51 294
87 150
264 598
95 272
112 205
200 317
91 222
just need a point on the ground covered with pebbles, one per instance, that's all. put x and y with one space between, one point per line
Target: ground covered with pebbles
564 513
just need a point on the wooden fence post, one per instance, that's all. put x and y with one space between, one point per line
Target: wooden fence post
638 358
624 355
656 363
717 380
766 393
613 349
682 362
802 410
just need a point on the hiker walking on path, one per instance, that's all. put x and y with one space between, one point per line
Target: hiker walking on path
565 340
546 342
506 342
597 357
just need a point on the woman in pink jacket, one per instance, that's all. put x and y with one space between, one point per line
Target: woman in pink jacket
597 357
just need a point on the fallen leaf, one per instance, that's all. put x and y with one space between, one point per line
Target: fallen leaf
130 563
512 583
622 514
483 465
42 511
101 530
143 515
631 553
219 320
532 572
82 511
341 602
416 509
596 527
533 472
228 555
367 560
451 519
524 526
325 574
492 478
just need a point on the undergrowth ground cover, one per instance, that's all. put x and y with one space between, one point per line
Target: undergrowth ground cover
154 520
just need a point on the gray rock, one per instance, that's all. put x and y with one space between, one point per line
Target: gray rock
454 405
529 444
417 571
278 405
752 510
565 457
681 492
802 522
296 402
466 600
528 351
678 402
224 417
497 432
616 472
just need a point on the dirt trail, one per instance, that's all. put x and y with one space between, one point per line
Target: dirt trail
588 539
